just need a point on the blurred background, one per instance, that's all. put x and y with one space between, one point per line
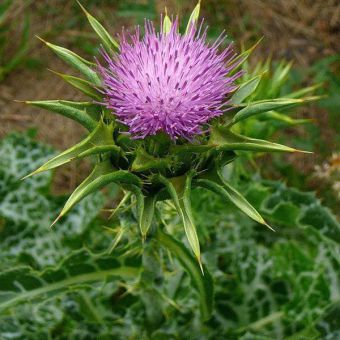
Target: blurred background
268 285
305 32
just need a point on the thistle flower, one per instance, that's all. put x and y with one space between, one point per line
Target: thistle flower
172 84
168 81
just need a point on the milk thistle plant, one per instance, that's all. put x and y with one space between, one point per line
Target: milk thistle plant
162 119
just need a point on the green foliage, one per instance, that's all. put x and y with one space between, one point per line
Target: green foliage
65 282
204 284
327 72
274 284
27 208
78 270
47 270
268 285
262 84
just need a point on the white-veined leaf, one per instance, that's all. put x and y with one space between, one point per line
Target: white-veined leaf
80 269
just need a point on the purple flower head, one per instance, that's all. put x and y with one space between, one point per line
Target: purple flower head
168 82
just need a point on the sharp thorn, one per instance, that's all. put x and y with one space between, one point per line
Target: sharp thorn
83 8
41 39
29 175
55 72
303 151
268 226
201 266
55 221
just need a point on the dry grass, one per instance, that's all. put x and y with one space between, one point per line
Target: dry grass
304 30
